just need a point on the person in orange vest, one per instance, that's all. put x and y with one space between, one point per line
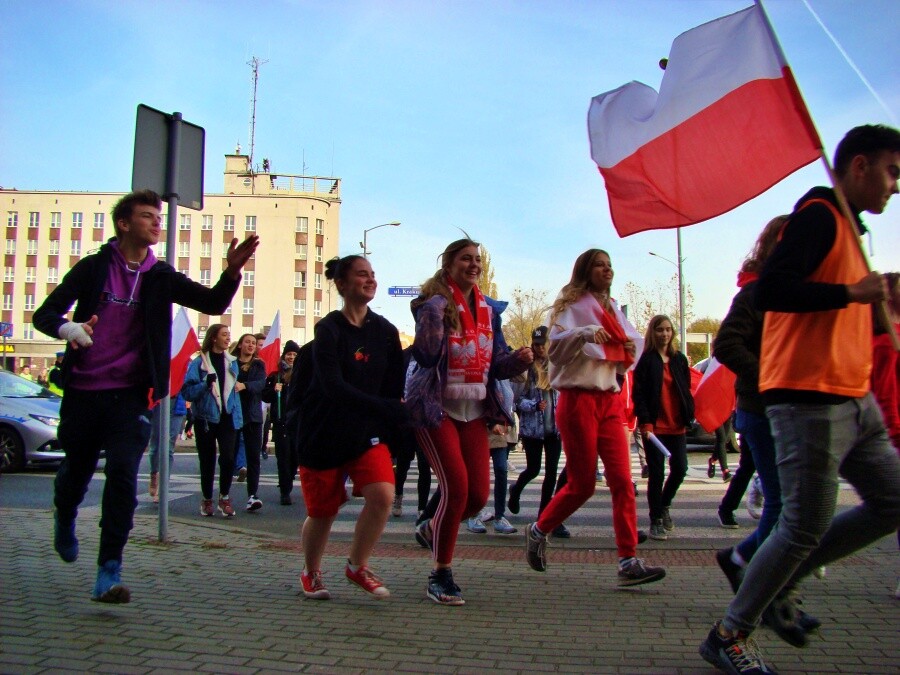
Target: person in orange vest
815 366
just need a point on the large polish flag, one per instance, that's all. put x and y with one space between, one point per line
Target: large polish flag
714 398
270 352
184 345
728 124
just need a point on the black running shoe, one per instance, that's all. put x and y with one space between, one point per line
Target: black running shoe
513 499
442 590
737 655
424 535
782 616
535 549
561 532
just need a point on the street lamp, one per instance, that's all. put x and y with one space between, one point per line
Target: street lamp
681 325
365 232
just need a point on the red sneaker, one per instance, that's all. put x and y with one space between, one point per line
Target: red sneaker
366 580
206 507
314 586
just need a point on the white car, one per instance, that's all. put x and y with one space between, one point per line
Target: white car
29 417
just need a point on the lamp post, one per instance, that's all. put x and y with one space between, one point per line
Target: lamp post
366 232
682 329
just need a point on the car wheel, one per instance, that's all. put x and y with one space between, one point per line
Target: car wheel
11 445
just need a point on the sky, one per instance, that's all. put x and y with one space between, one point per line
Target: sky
446 116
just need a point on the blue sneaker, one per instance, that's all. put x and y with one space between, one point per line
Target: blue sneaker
109 586
64 540
475 526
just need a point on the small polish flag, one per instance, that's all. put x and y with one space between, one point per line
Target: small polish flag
728 124
184 345
270 351
714 399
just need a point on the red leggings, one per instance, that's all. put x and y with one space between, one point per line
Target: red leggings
591 423
459 455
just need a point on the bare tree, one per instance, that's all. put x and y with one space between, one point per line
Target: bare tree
525 313
661 298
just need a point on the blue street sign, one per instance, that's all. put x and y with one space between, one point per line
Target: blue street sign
6 329
403 290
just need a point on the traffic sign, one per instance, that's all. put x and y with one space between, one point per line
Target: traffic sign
403 291
6 329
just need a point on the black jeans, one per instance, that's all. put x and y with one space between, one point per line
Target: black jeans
287 456
209 435
741 479
409 448
549 446
251 432
118 422
660 496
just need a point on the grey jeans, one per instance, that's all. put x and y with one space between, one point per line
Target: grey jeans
813 445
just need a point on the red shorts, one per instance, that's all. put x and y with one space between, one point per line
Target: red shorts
324 491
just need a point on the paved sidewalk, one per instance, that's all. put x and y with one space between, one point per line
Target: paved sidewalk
219 599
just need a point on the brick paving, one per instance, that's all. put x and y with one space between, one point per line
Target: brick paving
218 599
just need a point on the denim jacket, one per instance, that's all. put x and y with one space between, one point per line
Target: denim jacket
535 423
431 344
205 399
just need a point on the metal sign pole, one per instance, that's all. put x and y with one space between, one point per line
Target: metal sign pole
171 196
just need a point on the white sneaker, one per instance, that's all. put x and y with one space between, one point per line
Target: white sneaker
755 499
475 526
503 526
254 504
486 515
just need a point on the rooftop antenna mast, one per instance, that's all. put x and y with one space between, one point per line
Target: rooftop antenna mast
254 64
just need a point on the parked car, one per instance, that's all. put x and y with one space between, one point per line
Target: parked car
29 417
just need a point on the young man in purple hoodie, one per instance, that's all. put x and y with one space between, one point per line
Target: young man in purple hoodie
116 366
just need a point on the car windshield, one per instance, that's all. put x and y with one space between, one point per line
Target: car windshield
13 386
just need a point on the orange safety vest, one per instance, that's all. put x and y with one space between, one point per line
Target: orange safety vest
828 352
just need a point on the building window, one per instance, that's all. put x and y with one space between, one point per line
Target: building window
32 247
99 220
184 249
299 307
7 301
205 277
227 311
301 251
229 224
10 247
320 226
9 274
207 223
248 306
161 250
77 218
29 303
250 223
205 249
318 281
12 218
318 254
302 224
317 308
54 247
185 271
225 248
27 331
185 221
299 279
30 275
52 275
55 219
34 219
76 247
248 277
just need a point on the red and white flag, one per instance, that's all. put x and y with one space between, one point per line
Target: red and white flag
728 124
184 345
714 398
270 351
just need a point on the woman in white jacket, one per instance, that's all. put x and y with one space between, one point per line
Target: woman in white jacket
591 346
212 388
